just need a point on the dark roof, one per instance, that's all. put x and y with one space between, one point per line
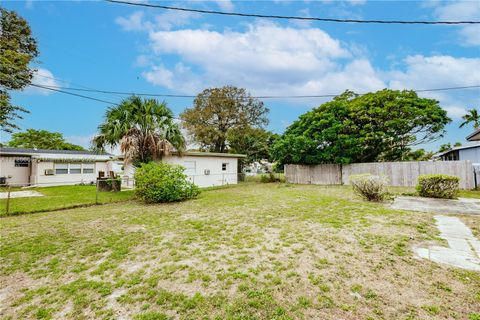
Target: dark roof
36 151
202 154
475 136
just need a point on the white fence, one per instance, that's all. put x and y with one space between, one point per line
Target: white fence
403 174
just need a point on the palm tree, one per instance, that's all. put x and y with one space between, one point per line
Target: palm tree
471 116
144 129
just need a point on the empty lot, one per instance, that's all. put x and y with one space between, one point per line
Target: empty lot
252 251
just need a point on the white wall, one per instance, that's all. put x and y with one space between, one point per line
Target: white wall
15 175
68 178
472 154
197 175
197 166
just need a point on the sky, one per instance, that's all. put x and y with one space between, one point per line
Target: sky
107 46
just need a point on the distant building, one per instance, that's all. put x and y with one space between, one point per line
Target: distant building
36 167
475 136
468 152
24 167
205 169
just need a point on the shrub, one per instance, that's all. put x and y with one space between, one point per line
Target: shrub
370 187
271 177
162 182
438 186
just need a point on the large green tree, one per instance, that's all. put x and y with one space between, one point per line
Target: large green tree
217 111
380 126
253 142
473 116
17 49
144 128
41 139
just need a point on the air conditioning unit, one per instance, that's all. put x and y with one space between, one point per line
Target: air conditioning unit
49 172
206 172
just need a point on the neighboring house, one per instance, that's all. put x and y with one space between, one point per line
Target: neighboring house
205 169
468 152
258 167
23 167
475 136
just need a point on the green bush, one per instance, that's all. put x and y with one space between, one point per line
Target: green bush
162 182
438 186
370 187
271 177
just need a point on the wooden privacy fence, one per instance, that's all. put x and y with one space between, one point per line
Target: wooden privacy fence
404 174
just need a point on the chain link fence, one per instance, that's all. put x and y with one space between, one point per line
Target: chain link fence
58 195
26 198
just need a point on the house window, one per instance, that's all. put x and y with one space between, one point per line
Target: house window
88 167
61 168
224 166
21 163
190 167
75 168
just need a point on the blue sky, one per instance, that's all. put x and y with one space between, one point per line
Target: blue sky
108 46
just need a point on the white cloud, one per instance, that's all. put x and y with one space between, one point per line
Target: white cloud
225 5
165 21
269 59
461 10
263 55
440 72
42 77
134 22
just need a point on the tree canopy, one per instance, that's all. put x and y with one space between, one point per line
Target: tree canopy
253 142
218 111
17 49
144 129
379 126
41 139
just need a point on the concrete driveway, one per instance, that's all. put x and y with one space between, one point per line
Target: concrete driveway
447 206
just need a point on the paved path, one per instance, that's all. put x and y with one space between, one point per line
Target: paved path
463 249
460 206
20 194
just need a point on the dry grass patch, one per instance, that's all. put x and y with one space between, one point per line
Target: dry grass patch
253 251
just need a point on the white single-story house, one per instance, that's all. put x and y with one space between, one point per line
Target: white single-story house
36 167
468 152
205 169
30 167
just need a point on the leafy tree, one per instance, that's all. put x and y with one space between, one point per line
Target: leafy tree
473 116
448 146
217 111
417 155
17 49
144 129
254 142
41 139
380 126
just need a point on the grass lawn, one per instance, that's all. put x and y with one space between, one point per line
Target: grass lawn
61 197
252 251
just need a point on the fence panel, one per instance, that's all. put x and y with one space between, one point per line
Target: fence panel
318 174
404 174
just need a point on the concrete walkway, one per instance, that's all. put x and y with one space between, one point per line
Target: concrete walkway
20 194
460 206
463 249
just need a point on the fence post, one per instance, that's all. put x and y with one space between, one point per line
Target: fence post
7 209
475 178
96 192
